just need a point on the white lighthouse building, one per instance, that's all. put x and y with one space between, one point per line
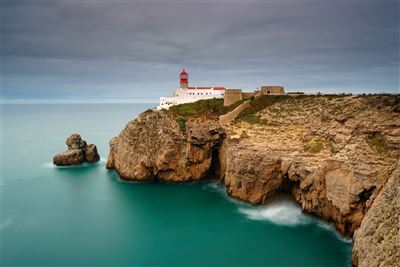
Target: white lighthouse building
186 94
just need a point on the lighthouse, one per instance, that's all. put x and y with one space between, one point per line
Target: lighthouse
185 94
184 79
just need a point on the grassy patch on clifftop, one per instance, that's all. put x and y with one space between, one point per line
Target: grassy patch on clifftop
261 103
209 107
315 144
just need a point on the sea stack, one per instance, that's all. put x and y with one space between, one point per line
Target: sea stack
78 152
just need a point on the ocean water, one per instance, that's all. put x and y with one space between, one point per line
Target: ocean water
85 215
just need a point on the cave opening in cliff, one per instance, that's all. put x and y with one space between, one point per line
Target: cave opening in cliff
288 185
213 171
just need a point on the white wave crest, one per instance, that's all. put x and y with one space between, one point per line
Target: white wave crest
283 212
329 227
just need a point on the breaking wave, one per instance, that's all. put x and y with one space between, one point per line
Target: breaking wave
282 212
331 228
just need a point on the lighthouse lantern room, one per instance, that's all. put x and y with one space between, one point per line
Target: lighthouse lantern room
184 82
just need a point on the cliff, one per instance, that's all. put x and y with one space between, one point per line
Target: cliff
173 146
337 156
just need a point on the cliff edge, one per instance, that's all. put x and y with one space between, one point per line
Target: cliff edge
336 155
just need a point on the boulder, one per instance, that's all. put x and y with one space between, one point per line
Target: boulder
91 154
74 141
69 157
78 152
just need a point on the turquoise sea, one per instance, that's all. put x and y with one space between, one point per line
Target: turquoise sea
86 216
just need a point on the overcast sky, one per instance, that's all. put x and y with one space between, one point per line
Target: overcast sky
124 49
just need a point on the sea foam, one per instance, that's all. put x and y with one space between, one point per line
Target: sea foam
50 165
282 212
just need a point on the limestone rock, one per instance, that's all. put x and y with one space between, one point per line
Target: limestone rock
69 157
77 153
74 141
332 154
377 241
251 176
91 154
157 145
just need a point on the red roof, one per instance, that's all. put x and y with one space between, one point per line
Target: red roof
183 72
206 88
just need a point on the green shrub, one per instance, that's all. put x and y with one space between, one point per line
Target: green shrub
182 124
314 148
378 143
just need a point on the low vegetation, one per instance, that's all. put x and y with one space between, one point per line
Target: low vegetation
209 107
317 143
244 134
314 148
377 142
249 114
182 124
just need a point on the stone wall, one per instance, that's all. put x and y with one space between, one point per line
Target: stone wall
231 96
248 94
228 117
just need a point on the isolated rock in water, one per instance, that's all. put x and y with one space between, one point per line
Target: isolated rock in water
74 141
69 157
77 153
91 154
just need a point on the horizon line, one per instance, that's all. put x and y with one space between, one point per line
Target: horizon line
78 101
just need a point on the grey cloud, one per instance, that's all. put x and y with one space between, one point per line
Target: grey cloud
122 49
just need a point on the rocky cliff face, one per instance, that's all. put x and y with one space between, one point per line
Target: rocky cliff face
159 145
377 241
333 154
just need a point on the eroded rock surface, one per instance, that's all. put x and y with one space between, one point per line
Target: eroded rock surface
77 153
334 154
69 157
377 241
158 145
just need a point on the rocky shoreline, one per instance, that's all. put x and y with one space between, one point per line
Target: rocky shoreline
337 156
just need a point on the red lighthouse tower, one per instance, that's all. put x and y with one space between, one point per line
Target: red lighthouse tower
184 79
